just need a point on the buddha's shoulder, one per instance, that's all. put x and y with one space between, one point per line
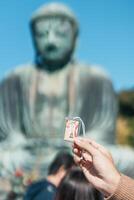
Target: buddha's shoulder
21 70
95 71
24 69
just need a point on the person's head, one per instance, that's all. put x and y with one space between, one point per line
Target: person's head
74 186
54 29
62 162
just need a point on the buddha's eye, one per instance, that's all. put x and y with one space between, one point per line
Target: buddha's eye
60 33
42 33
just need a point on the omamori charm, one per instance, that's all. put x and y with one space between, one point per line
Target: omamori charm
72 129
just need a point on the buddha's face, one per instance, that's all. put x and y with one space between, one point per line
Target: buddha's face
54 39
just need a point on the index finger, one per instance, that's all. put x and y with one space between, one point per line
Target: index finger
84 144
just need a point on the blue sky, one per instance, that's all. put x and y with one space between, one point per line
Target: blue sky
106 35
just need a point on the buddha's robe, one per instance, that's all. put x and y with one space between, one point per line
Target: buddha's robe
34 104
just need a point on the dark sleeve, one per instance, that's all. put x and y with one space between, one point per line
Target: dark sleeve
33 190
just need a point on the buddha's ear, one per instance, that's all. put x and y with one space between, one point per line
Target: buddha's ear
75 45
32 33
76 42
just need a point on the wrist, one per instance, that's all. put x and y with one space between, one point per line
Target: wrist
111 186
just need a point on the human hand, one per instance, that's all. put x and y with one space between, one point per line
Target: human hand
97 165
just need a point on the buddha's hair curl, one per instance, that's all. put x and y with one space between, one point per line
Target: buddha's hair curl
55 10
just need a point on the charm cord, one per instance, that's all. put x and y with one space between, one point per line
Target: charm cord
82 123
84 133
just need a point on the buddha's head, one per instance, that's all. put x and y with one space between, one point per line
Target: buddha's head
54 30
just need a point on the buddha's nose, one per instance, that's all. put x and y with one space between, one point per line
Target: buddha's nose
51 42
51 37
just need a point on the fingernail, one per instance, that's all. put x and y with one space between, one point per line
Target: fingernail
78 140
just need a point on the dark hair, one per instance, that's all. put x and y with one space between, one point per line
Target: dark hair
75 186
64 159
